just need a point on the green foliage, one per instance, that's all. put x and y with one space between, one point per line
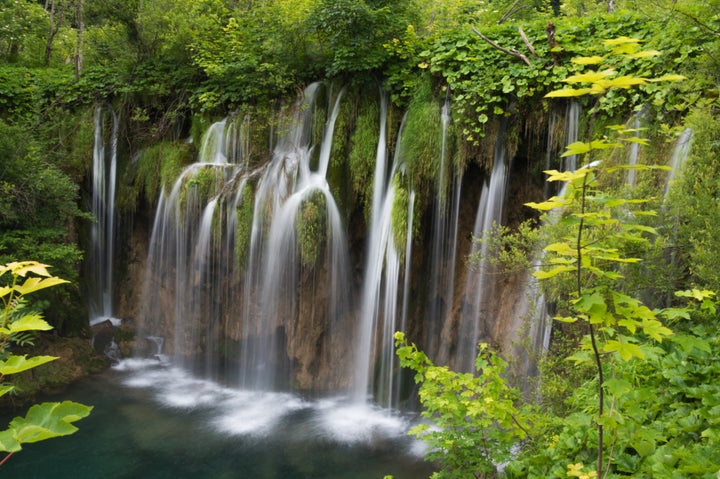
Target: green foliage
693 201
421 142
43 421
243 226
363 151
312 228
400 214
474 420
461 59
158 166
354 32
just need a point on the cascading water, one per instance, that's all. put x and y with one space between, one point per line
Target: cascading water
679 155
231 310
477 315
375 363
294 196
635 124
444 239
100 260
572 128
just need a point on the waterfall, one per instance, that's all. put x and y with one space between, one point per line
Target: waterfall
444 239
635 123
477 314
376 369
226 311
572 128
288 191
100 260
677 160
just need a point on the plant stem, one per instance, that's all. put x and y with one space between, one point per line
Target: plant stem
596 352
9 454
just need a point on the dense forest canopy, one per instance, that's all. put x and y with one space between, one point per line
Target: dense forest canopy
169 67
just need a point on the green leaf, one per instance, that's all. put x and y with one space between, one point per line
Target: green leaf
655 329
577 148
8 442
48 420
552 203
35 284
688 343
31 322
625 349
5 388
590 77
618 386
17 364
545 274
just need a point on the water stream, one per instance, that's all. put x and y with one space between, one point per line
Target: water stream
101 256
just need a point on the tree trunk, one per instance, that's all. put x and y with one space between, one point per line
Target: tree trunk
53 31
79 17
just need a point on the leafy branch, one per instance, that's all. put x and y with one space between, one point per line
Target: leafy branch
46 420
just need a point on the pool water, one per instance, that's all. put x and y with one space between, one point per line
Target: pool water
156 421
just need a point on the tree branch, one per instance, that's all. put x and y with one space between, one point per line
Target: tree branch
512 52
527 42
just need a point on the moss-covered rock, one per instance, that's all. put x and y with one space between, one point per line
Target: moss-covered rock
76 360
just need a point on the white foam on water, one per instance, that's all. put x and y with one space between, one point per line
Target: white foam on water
357 422
257 414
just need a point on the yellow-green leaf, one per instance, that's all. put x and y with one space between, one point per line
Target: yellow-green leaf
624 81
34 284
21 268
645 54
555 175
577 148
620 41
593 60
30 322
6 388
17 364
590 77
8 443
545 274
550 204
48 420
669 77
625 349
655 329
568 92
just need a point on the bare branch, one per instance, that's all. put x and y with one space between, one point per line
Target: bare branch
513 8
512 52
527 42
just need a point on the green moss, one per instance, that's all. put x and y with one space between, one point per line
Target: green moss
399 213
363 152
312 227
243 225
157 166
422 138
